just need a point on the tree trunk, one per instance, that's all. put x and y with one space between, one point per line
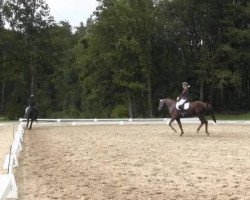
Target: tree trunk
211 94
32 84
32 68
202 90
2 98
222 95
3 84
130 111
248 86
149 96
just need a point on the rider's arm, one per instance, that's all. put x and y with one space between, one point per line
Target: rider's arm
184 93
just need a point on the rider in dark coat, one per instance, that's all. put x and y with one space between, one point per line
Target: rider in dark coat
31 103
182 99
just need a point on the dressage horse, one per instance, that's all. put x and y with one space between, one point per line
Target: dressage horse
196 108
31 115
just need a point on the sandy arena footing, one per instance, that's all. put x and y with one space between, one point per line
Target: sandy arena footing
134 162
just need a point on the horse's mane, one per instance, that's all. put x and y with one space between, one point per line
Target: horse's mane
170 103
169 99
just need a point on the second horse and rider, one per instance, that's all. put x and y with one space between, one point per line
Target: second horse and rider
31 112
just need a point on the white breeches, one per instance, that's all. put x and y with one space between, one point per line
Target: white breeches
26 110
182 101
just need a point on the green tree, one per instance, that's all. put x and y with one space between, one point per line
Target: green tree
120 47
31 18
1 15
63 81
235 53
199 31
12 73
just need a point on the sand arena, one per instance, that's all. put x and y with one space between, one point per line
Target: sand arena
134 162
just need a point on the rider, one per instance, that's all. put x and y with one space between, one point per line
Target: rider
183 97
32 103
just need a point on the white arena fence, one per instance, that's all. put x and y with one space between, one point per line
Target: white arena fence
128 121
8 187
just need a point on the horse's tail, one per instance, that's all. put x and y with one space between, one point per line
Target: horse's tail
211 111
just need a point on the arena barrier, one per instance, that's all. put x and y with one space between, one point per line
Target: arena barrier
8 187
127 121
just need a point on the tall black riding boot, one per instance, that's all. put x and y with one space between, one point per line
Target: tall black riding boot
181 107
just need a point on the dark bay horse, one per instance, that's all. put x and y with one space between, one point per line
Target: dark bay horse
31 115
196 108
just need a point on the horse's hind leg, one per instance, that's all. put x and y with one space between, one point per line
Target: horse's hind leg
203 121
31 124
198 129
170 124
27 123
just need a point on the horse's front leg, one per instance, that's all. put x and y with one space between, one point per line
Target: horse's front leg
179 123
27 123
31 124
170 124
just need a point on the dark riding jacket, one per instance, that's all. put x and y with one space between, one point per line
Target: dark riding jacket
184 94
32 102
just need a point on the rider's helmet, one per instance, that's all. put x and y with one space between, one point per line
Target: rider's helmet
32 96
184 84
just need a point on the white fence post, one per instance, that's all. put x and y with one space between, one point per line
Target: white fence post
8 187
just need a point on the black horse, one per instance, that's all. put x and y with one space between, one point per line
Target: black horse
196 108
31 115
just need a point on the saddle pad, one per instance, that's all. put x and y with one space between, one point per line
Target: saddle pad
186 106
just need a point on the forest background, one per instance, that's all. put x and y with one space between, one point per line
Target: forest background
128 55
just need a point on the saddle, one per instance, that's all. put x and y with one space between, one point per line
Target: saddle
186 106
30 109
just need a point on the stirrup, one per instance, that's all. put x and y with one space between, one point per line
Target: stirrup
183 113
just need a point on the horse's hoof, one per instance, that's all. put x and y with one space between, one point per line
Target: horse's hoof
181 134
207 133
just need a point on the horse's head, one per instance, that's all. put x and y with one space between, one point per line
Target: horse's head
170 103
161 104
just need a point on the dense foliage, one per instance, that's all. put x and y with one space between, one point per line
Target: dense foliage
129 54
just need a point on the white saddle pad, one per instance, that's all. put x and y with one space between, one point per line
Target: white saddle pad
186 106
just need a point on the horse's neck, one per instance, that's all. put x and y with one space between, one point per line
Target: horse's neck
170 104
